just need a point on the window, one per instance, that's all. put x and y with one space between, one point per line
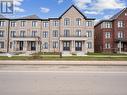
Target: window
45 45
66 33
55 23
120 34
23 23
34 33
2 23
45 24
1 33
55 33
55 44
78 46
13 24
120 24
107 35
89 45
106 25
89 33
89 23
107 45
22 33
13 33
1 44
66 21
45 34
78 21
34 23
78 33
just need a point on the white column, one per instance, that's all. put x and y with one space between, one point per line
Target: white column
25 46
120 47
61 46
85 47
72 46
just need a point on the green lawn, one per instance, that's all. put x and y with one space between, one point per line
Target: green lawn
69 58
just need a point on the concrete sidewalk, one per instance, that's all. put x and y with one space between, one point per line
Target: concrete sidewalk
101 63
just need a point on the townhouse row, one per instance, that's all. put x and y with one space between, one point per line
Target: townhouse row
71 33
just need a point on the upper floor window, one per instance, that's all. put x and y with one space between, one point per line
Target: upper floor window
78 33
120 24
45 24
89 23
22 33
107 34
1 44
13 33
107 45
55 23
1 33
34 23
23 23
106 25
34 33
66 21
13 24
2 23
78 21
55 33
66 33
55 44
45 34
120 34
89 33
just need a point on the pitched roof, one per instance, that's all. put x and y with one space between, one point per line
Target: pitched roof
31 17
78 11
119 13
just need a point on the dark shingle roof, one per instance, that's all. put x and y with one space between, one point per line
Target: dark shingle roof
31 17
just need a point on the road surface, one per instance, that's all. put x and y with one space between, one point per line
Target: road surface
62 83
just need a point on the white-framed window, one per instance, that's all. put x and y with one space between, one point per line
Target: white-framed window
55 23
1 33
13 33
55 33
107 35
120 34
1 44
78 21
66 33
120 24
2 23
22 33
45 45
45 34
13 23
107 45
78 33
89 33
89 45
106 25
89 23
66 21
34 33
34 23
55 44
45 24
23 23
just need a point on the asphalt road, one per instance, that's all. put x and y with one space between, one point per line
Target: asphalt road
62 83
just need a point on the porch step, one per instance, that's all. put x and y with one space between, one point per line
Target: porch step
81 54
66 54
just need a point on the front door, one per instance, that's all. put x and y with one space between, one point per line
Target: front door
66 46
21 45
78 46
33 45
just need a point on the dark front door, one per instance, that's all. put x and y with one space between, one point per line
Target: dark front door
33 45
21 45
66 45
78 46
